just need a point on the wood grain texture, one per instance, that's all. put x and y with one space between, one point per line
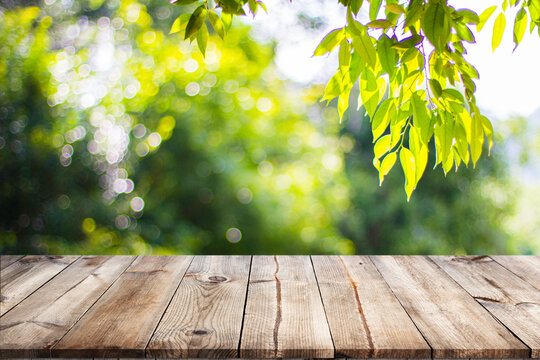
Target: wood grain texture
204 319
512 300
365 318
284 315
6 260
26 275
43 318
526 267
122 321
453 323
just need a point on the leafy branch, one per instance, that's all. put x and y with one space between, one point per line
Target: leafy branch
386 59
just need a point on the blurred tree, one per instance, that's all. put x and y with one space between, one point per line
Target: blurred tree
115 138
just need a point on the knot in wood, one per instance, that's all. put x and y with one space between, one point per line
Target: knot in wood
199 332
217 278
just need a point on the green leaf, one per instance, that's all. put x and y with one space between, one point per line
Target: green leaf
217 24
232 6
202 39
356 66
484 17
380 24
363 44
395 9
444 135
421 118
329 42
383 115
469 17
253 6
409 42
498 31
461 136
180 23
420 152
261 4
334 87
435 87
374 7
453 94
369 92
436 25
382 146
520 25
355 6
387 55
406 158
386 165
464 32
344 54
343 102
226 19
488 129
477 138
195 22
413 12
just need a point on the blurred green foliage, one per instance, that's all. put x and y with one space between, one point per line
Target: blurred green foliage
117 138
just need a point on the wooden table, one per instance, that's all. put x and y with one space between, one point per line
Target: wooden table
270 306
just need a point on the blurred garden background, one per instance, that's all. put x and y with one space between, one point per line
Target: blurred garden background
118 138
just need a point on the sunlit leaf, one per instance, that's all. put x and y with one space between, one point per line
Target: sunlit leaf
444 134
226 18
356 5
369 92
344 54
380 24
202 39
484 17
413 12
363 44
382 146
435 87
395 9
329 42
409 42
498 31
374 7
195 21
464 32
334 87
406 158
421 117
469 17
180 23
217 24
520 25
383 115
436 24
387 55
386 165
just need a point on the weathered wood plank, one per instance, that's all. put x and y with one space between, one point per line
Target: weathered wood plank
6 260
122 321
284 315
204 319
28 274
43 318
452 322
512 300
526 267
366 320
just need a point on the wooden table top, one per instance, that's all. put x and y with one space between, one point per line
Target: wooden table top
270 306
